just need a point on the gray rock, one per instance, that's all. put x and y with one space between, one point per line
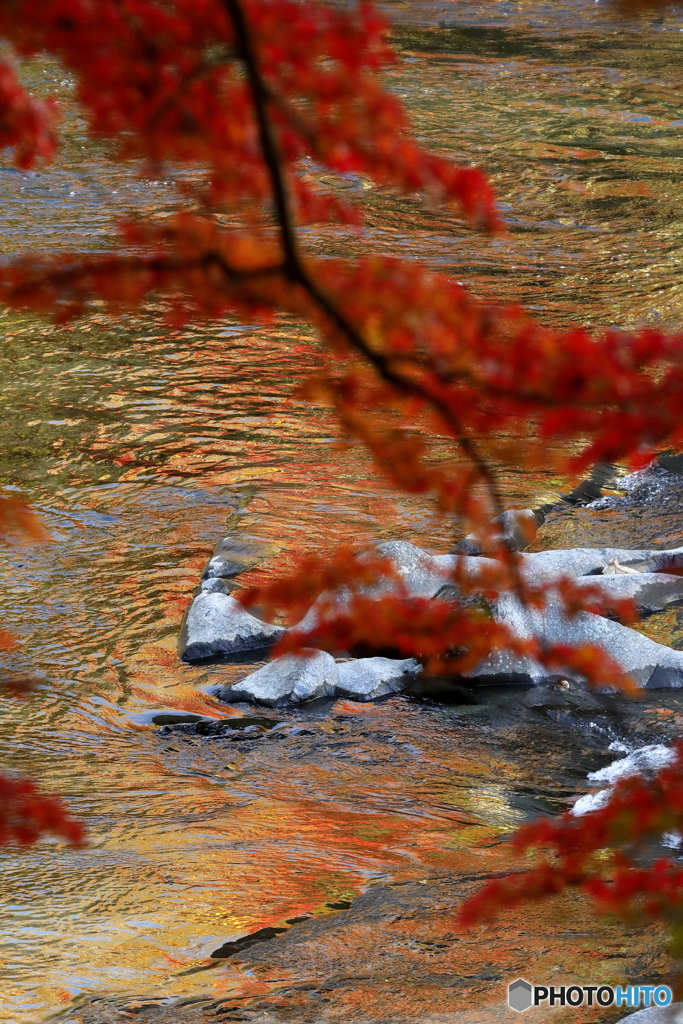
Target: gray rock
290 679
234 555
216 585
313 617
651 591
651 664
422 574
217 624
502 668
545 566
668 672
515 527
370 678
672 1014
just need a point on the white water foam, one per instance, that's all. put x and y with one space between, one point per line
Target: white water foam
638 761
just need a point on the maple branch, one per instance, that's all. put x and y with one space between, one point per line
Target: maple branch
522 394
247 54
298 274
159 265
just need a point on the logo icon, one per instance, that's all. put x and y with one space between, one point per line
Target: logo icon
520 995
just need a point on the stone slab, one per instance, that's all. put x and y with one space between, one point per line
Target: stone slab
216 624
290 679
370 678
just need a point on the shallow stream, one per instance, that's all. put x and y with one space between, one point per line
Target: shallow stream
138 444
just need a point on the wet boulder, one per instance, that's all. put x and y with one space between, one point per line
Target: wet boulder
650 664
216 585
424 575
545 566
651 591
370 678
419 571
291 679
233 555
216 624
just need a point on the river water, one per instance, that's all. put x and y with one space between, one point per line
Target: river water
141 446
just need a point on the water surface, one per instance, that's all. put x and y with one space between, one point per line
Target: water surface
142 445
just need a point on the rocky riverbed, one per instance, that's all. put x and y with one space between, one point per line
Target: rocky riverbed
391 952
216 625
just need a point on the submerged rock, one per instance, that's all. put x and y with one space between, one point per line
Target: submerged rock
234 730
287 680
216 624
370 678
516 528
233 555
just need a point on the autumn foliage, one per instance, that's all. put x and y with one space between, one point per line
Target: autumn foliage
26 814
630 826
261 103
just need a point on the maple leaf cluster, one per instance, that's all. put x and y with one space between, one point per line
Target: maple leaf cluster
256 111
26 814
25 123
362 604
605 853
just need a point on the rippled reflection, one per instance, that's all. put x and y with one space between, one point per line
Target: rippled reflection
141 445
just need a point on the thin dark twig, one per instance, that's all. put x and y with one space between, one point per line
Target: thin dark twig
245 51
297 272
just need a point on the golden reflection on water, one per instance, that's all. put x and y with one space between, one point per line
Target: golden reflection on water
139 443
